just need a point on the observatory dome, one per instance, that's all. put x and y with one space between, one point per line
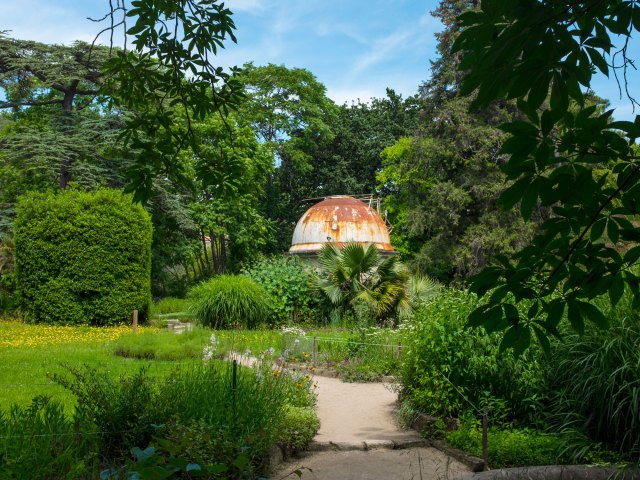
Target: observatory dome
339 219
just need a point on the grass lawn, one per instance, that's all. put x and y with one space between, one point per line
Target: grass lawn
32 353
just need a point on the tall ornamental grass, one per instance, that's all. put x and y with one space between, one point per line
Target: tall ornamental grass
594 381
40 441
230 301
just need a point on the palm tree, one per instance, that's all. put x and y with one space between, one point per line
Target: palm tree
357 274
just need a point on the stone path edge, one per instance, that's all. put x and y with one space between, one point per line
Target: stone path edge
366 445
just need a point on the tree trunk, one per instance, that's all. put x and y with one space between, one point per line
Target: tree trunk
203 269
193 267
223 253
212 245
206 254
67 108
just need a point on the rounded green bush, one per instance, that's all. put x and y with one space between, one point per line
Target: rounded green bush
285 278
230 301
298 426
82 257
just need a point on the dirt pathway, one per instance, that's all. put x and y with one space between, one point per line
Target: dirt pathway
359 439
358 412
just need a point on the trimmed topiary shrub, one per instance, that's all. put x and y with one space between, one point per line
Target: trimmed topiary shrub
228 301
82 257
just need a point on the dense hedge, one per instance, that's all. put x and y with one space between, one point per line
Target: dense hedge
82 257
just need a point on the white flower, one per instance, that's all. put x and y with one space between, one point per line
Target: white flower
294 331
270 351
207 353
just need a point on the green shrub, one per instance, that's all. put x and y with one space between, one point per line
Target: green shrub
228 301
509 447
164 345
298 426
168 305
288 283
82 257
8 303
122 410
445 364
198 403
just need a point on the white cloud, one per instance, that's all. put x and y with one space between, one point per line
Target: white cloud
409 40
382 49
47 22
324 29
251 6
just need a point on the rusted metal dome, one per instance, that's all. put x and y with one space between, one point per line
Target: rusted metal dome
339 220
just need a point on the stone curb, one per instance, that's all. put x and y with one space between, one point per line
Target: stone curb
474 463
366 445
556 472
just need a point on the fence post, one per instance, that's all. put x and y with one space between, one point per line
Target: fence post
485 450
315 352
135 321
284 343
234 383
399 350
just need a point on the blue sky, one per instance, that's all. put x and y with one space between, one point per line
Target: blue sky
356 48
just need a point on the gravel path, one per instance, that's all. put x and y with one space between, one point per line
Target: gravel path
359 439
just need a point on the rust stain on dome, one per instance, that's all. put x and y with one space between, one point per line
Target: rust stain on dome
339 219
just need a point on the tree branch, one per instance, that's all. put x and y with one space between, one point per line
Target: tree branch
593 219
29 104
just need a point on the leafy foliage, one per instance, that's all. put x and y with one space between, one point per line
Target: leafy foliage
448 370
441 184
289 285
510 447
566 154
290 112
593 380
39 441
228 301
357 275
82 257
168 75
226 207
186 414
298 427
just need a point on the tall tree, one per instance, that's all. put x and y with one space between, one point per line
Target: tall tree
350 162
442 184
226 204
289 110
50 93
